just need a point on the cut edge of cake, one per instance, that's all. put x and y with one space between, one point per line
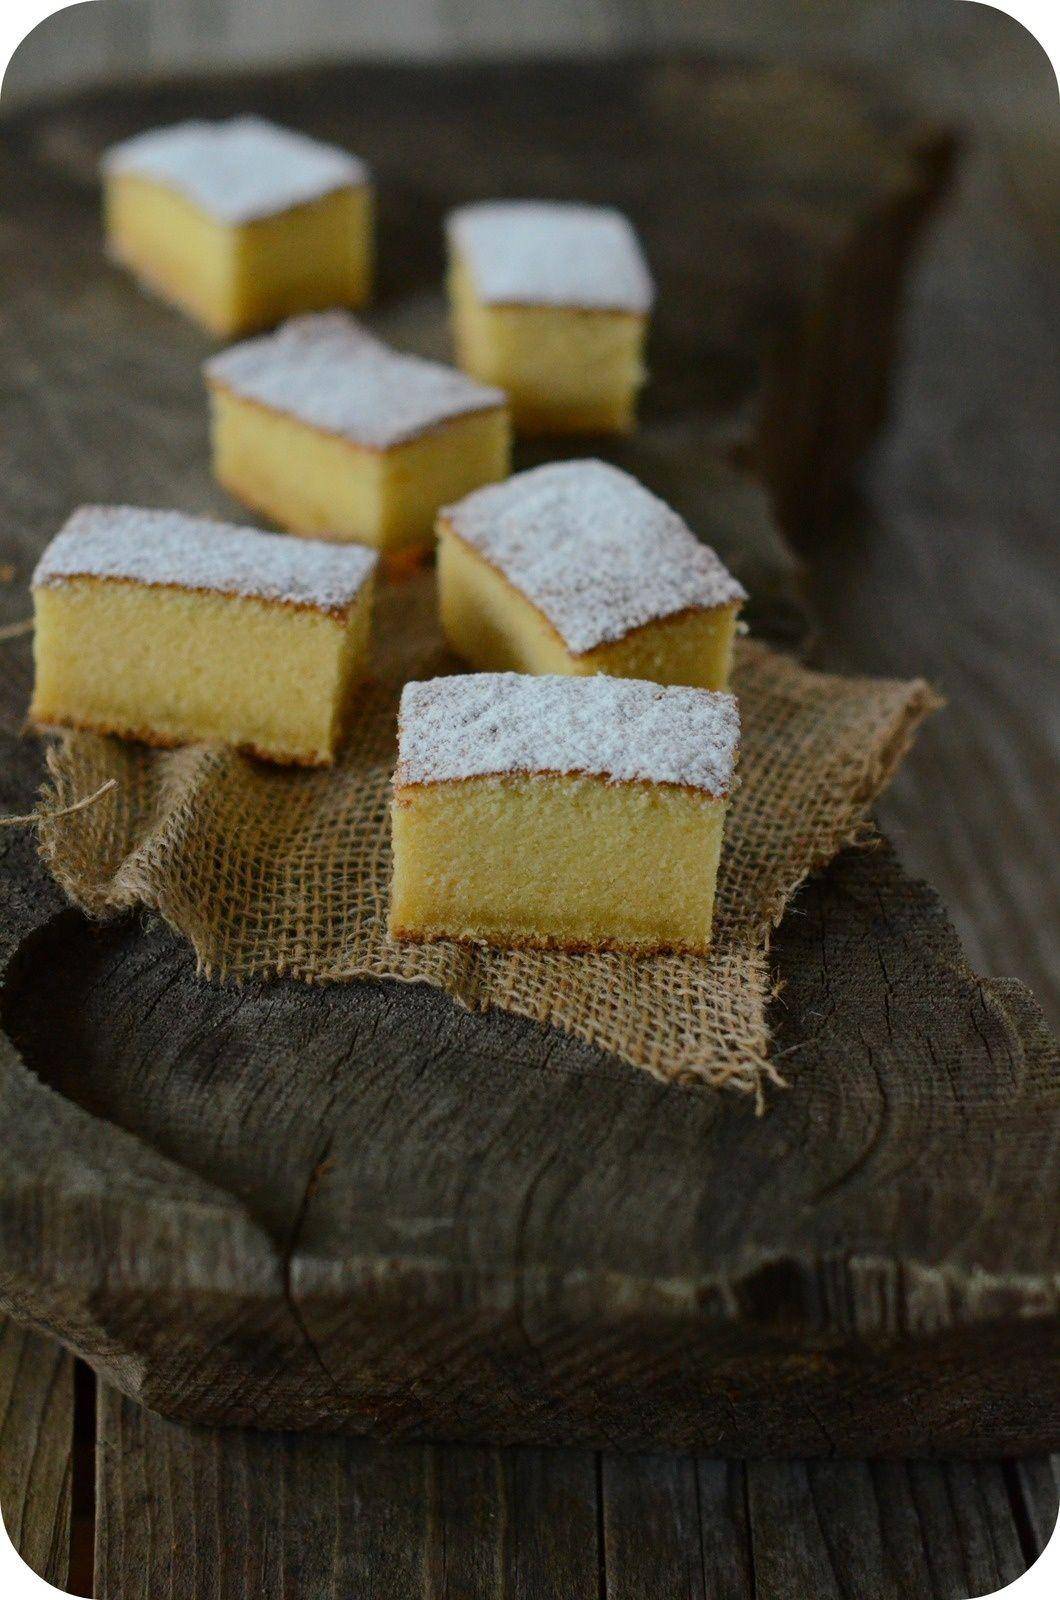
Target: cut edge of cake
653 571
604 767
588 652
93 552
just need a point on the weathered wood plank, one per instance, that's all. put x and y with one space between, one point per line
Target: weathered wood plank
186 1512
36 1449
651 1528
724 1530
191 1514
882 1530
440 1230
551 1523
789 1544
510 1522
970 1540
1034 1483
959 539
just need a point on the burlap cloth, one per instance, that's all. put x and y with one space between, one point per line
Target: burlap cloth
269 872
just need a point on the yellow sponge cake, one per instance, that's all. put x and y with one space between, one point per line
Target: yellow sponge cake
551 302
329 432
240 223
573 813
576 568
167 628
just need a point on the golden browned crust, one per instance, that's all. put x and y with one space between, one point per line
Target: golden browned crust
443 525
166 741
658 622
402 788
315 204
568 308
563 307
248 497
337 614
549 942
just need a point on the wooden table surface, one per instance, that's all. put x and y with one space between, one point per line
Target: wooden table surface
349 1518
950 560
173 1511
958 507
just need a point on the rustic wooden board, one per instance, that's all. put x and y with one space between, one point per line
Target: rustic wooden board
209 1515
362 1208
197 1515
36 1449
962 508
189 1512
359 1208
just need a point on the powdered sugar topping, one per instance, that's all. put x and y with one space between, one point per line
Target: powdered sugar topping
533 252
168 548
621 729
240 169
593 549
327 371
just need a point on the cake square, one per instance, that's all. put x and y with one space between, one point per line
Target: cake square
556 812
240 223
577 568
551 302
330 432
166 628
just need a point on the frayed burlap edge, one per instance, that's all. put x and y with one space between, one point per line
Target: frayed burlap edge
272 873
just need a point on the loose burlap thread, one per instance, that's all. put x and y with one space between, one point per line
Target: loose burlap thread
269 872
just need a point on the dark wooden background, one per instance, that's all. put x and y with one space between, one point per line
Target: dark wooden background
959 505
171 1511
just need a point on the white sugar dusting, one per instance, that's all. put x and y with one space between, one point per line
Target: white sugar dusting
593 549
170 549
531 252
327 371
620 729
240 169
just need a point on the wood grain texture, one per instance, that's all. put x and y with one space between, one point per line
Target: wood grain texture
1034 1483
971 467
36 1449
883 1530
650 1524
212 1516
192 1514
951 559
359 1208
396 1217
